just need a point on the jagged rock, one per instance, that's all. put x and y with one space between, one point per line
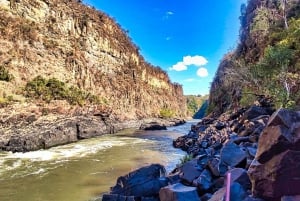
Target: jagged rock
282 133
153 126
190 171
204 181
220 125
144 182
291 198
278 155
178 192
284 170
237 193
213 166
255 111
233 156
240 176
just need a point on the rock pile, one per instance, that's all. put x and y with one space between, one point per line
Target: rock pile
249 155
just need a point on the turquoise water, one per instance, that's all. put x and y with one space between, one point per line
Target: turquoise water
84 170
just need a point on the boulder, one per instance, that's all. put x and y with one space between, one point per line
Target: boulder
153 126
190 171
233 156
144 182
178 192
282 133
237 193
204 181
240 176
275 170
277 177
255 111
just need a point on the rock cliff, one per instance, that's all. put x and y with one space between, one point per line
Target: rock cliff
266 60
83 48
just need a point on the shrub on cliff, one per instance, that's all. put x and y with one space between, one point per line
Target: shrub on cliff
5 75
53 89
166 113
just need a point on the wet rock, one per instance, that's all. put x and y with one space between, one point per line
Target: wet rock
153 126
178 192
144 182
190 171
233 156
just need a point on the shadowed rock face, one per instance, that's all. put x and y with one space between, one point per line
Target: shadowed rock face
275 170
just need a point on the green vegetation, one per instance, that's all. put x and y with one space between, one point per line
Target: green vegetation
53 89
194 103
166 113
5 75
266 61
185 159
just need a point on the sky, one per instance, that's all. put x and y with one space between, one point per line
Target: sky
186 38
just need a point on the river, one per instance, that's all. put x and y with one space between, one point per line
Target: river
84 170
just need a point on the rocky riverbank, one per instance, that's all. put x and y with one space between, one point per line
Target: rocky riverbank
250 155
31 130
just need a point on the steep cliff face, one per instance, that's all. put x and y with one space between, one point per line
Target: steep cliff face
81 47
266 61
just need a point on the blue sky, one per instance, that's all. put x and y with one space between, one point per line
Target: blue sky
187 38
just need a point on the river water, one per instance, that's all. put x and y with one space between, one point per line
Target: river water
84 170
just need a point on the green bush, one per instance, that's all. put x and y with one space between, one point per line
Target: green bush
166 113
53 89
5 75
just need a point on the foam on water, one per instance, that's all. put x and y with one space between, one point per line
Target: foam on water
57 155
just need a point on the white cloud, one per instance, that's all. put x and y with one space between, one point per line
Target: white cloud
195 60
202 72
191 60
170 13
179 67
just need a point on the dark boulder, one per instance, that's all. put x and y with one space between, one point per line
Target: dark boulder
204 181
255 111
144 182
275 171
277 177
233 156
153 126
178 192
190 171
240 176
237 193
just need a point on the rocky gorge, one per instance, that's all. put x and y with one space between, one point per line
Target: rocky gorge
249 155
70 72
